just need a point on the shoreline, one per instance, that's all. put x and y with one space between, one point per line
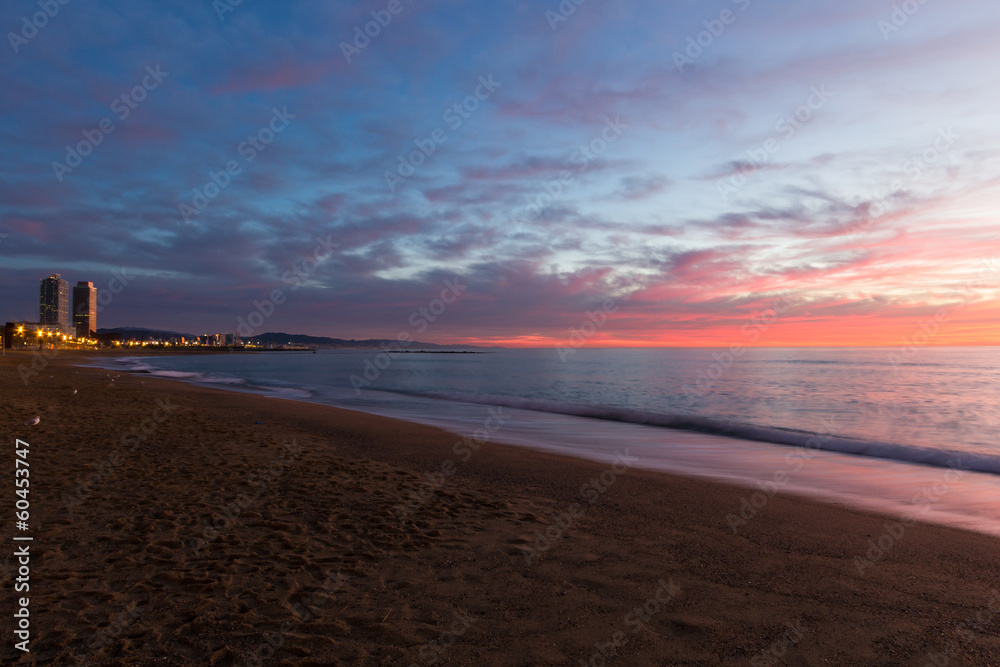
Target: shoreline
313 537
834 475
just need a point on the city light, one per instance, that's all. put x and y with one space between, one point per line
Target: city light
62 316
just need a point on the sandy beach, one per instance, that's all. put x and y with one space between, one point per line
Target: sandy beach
178 525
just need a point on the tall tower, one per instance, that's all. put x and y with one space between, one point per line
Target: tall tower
53 302
85 309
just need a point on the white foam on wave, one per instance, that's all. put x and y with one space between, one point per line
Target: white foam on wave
953 497
139 365
880 476
176 375
826 441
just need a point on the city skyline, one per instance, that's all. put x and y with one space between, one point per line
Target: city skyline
84 309
54 302
85 306
549 158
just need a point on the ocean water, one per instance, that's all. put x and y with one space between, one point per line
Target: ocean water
863 426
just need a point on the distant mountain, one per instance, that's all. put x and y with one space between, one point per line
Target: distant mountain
352 344
141 334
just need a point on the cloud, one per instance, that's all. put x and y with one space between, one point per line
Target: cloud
640 187
840 218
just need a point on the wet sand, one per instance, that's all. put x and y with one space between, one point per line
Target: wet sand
170 528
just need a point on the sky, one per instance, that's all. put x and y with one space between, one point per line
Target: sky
613 173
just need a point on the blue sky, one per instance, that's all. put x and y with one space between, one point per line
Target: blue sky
590 168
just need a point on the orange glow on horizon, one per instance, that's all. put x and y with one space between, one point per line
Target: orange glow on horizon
976 327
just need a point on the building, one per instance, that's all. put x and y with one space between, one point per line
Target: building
18 335
85 309
53 303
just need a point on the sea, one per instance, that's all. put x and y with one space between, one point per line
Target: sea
912 433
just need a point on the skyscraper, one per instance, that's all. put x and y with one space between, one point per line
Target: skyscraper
53 303
85 309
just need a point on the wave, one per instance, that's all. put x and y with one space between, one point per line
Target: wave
825 441
845 363
176 375
280 390
271 388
